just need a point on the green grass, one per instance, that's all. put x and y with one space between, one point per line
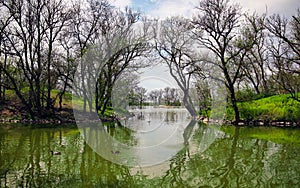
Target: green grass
277 107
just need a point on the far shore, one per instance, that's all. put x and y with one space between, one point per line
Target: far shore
242 123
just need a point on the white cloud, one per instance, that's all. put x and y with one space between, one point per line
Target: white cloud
166 8
120 3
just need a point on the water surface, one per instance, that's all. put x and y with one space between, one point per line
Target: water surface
206 156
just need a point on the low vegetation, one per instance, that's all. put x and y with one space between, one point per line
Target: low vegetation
273 108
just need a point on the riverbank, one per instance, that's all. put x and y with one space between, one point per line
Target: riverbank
264 123
277 110
15 114
12 112
252 123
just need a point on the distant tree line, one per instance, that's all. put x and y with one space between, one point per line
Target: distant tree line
167 96
139 96
44 43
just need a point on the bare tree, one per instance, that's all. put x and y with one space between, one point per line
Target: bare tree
5 20
56 17
175 46
255 63
153 96
156 96
113 49
141 96
172 96
217 29
286 30
284 45
31 38
122 45
87 24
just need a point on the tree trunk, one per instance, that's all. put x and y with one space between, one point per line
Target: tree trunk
90 103
106 99
49 101
187 104
62 93
97 97
234 105
38 98
230 87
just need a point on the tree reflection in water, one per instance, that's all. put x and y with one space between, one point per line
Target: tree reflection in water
231 160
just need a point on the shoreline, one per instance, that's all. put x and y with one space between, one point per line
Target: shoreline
66 116
48 121
242 123
257 123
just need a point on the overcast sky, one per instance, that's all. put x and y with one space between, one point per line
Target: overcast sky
165 8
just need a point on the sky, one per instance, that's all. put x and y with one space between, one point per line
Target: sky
158 77
165 8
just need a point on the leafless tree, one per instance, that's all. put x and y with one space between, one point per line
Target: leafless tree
141 96
255 63
156 96
56 17
88 23
287 31
31 38
5 20
175 46
284 45
118 46
172 96
217 29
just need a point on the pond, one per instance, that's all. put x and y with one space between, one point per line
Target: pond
164 149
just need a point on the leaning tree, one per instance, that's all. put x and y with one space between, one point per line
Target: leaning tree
175 46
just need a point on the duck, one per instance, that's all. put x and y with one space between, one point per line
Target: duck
55 153
115 152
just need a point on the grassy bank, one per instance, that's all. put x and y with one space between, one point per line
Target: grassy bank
12 110
274 108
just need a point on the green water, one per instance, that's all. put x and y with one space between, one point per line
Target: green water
236 157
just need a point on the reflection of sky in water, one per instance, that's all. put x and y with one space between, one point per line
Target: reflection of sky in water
155 136
159 133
